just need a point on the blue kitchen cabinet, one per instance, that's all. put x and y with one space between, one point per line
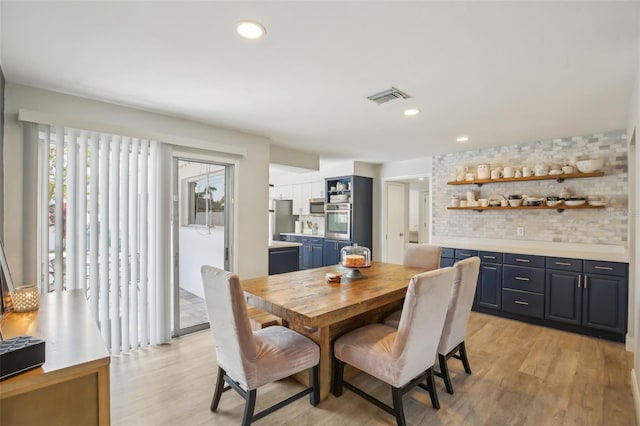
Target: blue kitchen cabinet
604 296
563 296
447 257
311 253
489 288
332 251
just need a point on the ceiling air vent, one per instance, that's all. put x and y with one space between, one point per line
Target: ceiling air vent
388 95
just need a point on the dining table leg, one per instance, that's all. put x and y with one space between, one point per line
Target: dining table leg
320 335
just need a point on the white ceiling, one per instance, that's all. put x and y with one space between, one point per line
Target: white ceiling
499 72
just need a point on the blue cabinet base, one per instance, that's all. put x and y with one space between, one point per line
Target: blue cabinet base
616 337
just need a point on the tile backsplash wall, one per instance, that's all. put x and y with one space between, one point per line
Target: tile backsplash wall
597 226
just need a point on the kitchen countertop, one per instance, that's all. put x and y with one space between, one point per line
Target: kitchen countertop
280 244
540 248
296 234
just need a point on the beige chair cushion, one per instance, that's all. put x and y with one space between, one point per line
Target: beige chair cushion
397 356
425 256
250 358
464 288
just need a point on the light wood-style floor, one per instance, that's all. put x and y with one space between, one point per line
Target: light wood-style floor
522 375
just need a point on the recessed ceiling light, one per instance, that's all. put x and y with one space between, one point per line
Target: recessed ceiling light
411 111
250 29
420 178
462 139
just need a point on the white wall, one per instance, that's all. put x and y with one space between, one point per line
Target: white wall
251 258
633 126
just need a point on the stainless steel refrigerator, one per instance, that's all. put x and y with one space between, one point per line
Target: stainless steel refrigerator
281 218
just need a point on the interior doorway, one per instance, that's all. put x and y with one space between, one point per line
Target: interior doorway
201 230
409 214
396 204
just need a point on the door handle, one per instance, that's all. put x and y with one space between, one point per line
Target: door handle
585 282
605 268
522 279
563 263
523 260
519 302
579 280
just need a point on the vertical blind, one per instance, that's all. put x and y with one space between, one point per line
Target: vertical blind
103 227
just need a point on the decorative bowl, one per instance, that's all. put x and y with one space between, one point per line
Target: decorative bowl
590 166
515 202
575 202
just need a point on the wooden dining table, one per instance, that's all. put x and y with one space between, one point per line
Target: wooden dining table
323 310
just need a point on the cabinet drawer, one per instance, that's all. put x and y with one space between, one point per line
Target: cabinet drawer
523 303
446 261
490 256
523 260
523 278
564 264
308 240
464 253
605 268
447 252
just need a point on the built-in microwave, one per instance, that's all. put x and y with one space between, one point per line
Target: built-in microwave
316 206
337 222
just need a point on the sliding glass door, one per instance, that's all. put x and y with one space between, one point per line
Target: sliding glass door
201 229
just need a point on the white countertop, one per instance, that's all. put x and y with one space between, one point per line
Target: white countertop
540 248
279 244
297 234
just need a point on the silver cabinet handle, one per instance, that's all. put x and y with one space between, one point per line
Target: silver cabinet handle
522 260
465 254
490 267
519 302
579 280
564 263
585 282
605 268
489 257
522 279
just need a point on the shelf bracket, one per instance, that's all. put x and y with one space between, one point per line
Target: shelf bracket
559 180
559 210
478 184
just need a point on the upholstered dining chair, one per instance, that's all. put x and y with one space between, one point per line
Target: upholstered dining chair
249 359
401 357
425 256
455 325
451 344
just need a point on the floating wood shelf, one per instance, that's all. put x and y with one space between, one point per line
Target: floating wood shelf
558 178
560 208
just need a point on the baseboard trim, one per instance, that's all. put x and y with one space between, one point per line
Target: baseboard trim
635 393
630 344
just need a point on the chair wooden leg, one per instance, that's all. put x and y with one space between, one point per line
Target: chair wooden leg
249 406
433 393
314 397
464 359
398 408
218 390
444 372
338 373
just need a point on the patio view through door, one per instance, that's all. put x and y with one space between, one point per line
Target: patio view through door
201 229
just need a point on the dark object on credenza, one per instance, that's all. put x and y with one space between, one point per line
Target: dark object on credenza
20 354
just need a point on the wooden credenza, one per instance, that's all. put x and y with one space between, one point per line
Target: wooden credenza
72 386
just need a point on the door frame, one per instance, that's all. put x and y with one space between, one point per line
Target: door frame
231 176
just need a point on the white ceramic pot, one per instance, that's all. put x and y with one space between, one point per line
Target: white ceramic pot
484 172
